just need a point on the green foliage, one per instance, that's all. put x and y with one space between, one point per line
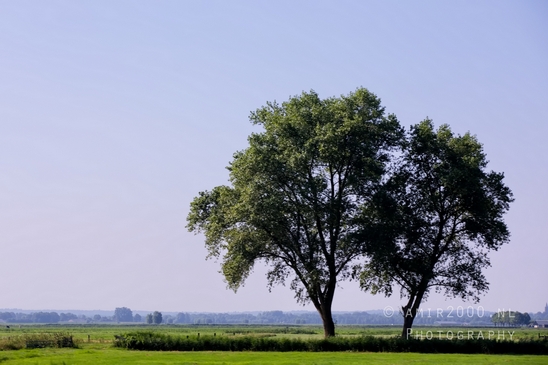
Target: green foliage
157 317
510 318
432 223
296 192
36 317
123 314
38 340
154 341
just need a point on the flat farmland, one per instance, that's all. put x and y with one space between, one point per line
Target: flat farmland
105 333
95 346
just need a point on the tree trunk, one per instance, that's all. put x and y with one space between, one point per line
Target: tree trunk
410 312
328 323
407 324
323 306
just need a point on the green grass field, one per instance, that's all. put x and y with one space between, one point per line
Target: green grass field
99 350
108 355
105 333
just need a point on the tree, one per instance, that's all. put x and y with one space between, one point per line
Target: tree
497 319
524 319
435 219
510 318
64 317
137 318
150 319
6 316
182 318
123 315
157 317
295 194
45 317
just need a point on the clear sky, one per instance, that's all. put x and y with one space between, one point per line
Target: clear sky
115 114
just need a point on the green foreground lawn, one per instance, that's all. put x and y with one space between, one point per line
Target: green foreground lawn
108 355
99 349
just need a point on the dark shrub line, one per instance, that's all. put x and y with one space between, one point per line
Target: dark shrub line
152 341
38 340
59 340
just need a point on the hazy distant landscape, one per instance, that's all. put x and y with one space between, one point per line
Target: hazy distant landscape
457 316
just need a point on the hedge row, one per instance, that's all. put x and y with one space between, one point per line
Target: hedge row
37 340
152 341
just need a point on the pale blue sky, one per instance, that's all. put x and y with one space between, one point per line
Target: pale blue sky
114 115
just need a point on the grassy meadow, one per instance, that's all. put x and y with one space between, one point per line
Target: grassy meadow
113 356
94 346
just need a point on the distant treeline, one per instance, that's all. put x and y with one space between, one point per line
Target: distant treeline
350 318
37 317
125 315
51 317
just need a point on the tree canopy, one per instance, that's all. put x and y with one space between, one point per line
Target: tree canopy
157 317
510 318
123 314
296 192
433 221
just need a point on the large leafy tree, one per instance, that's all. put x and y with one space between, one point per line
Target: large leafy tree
296 192
435 219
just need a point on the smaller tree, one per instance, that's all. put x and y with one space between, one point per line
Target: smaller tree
434 221
137 318
123 315
150 319
157 317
